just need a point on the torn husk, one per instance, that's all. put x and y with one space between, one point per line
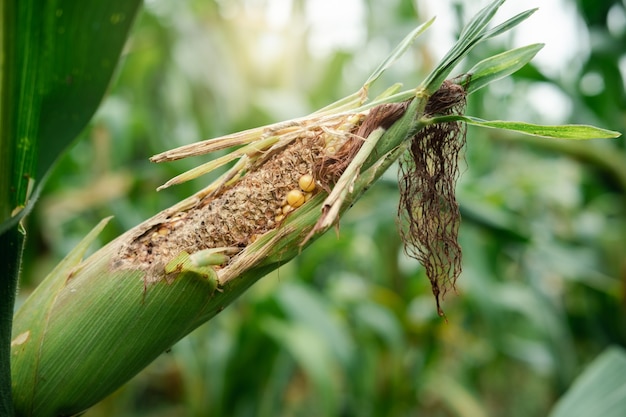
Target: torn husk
94 323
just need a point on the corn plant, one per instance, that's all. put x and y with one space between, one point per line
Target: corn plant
94 323
57 60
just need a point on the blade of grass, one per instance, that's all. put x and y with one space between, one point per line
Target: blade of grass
467 39
358 98
576 132
509 24
474 33
497 67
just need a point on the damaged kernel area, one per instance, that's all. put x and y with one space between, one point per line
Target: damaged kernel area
236 215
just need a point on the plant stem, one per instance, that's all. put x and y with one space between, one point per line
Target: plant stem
11 247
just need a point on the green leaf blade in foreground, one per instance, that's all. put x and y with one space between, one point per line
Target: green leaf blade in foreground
498 66
577 132
59 59
599 391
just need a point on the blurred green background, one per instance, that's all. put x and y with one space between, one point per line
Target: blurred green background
349 328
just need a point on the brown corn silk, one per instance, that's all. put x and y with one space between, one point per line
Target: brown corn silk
330 168
428 213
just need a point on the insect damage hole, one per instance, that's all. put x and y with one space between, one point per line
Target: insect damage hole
428 212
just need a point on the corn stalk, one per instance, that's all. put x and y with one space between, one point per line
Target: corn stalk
95 322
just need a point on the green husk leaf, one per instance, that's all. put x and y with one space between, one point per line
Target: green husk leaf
577 132
221 161
334 202
358 98
79 336
509 24
28 340
497 67
398 52
470 36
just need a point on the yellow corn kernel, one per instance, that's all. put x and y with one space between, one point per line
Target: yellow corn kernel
307 183
295 198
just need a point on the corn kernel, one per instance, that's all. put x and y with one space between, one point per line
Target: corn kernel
307 183
295 198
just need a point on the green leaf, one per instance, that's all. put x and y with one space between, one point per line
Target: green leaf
599 391
497 67
476 25
473 33
467 40
398 52
313 355
580 132
59 57
359 97
509 24
11 247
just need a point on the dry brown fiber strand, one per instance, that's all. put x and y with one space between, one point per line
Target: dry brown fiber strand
428 211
